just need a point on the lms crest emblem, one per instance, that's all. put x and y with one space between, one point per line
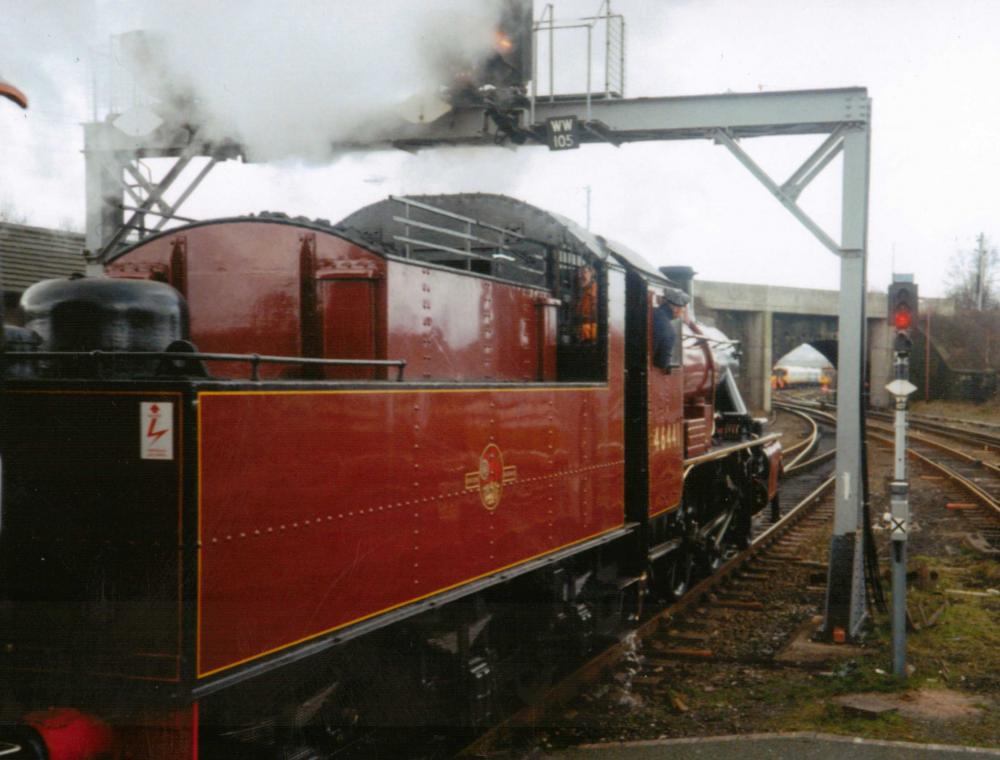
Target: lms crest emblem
491 477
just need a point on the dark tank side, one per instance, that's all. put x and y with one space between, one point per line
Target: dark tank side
103 314
99 314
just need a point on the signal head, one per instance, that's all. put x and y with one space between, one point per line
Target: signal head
903 304
903 312
902 318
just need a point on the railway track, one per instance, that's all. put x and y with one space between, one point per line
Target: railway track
783 551
963 457
966 452
810 461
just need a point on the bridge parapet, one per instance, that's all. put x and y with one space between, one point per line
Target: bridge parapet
738 296
770 320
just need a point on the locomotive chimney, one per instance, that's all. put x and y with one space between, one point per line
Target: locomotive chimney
683 277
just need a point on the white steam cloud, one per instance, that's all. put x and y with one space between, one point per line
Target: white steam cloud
289 83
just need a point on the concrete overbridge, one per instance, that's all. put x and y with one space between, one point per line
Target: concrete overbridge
769 321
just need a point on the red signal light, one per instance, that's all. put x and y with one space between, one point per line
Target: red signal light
902 319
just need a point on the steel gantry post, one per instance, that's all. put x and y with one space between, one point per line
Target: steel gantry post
846 606
112 164
845 596
104 169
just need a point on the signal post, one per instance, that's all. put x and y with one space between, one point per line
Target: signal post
903 313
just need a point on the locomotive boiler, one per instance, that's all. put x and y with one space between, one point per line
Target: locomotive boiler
269 470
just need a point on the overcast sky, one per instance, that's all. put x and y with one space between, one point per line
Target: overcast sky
930 67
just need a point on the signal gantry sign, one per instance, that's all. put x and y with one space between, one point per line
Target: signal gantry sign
563 133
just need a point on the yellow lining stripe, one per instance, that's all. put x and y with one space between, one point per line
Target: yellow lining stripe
42 392
398 391
664 511
197 645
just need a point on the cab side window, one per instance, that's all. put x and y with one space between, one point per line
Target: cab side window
668 326
582 349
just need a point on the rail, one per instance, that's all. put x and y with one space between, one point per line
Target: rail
970 484
953 431
808 445
178 357
883 434
801 449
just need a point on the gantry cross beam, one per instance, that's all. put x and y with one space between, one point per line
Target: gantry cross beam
844 115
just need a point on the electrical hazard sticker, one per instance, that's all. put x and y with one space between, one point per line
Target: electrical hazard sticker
156 430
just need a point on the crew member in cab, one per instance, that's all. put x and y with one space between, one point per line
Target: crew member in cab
586 306
668 321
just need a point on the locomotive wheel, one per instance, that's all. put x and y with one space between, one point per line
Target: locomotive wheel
680 565
743 536
680 569
712 558
532 683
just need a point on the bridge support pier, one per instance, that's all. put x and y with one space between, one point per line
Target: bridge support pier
880 372
758 359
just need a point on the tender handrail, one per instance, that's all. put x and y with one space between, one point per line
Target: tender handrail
255 360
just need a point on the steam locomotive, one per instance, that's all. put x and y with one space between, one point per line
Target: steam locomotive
268 471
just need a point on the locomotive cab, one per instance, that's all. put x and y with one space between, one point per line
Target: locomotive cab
698 466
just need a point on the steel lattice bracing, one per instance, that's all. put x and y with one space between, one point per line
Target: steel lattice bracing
843 115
